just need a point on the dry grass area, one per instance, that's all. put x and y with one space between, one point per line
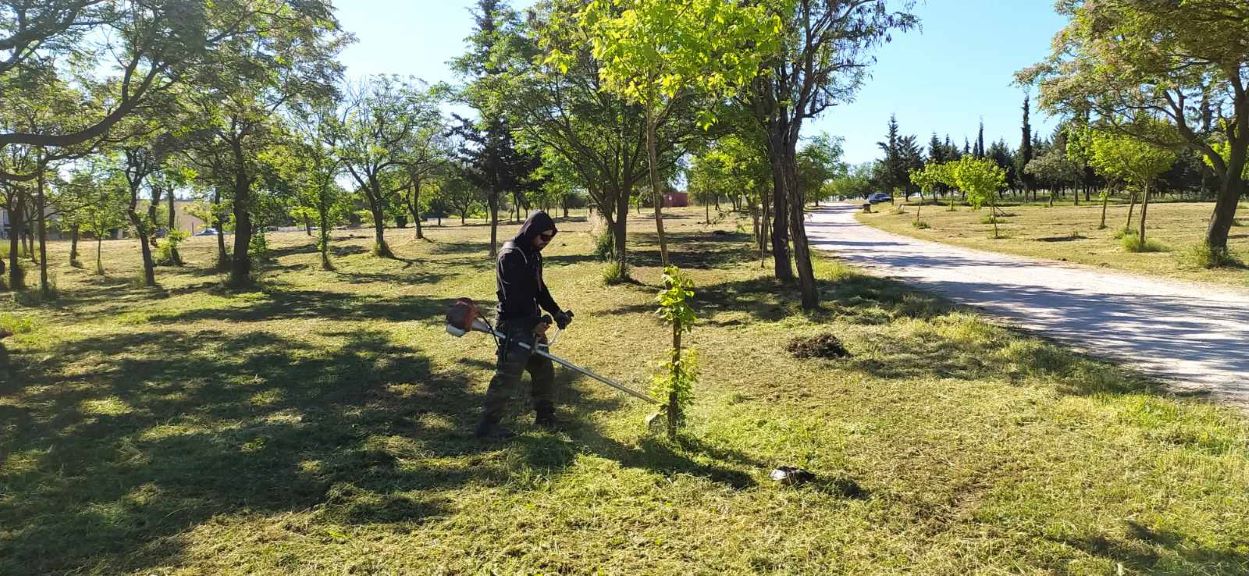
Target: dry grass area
1070 234
321 424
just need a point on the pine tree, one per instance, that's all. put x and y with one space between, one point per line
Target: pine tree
1025 149
980 141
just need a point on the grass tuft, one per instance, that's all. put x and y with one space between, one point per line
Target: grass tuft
1132 243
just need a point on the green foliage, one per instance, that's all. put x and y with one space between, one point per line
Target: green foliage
653 50
1129 159
677 380
674 300
16 323
615 273
676 383
855 183
258 247
819 161
1202 255
167 249
1132 243
980 178
605 245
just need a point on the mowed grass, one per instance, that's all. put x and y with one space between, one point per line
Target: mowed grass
321 424
1070 234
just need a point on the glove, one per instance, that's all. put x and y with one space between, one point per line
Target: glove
563 319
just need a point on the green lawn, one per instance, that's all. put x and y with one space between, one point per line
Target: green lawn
1070 234
321 425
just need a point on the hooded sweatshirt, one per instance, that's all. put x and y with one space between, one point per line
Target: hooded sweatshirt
519 274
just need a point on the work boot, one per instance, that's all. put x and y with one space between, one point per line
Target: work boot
491 430
544 417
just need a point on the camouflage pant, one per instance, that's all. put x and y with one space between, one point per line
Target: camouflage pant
513 360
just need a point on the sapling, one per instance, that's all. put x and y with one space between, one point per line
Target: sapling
680 372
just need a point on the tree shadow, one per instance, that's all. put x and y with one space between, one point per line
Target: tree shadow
1142 552
175 428
287 304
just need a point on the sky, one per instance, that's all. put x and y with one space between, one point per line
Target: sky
945 78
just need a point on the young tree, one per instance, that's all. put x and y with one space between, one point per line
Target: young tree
1133 161
312 166
556 104
380 123
821 61
980 179
241 88
657 53
103 212
928 179
1053 170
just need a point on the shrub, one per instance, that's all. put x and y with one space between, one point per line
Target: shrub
615 273
1132 243
605 246
1201 255
167 250
922 225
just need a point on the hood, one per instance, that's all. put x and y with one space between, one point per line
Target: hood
535 224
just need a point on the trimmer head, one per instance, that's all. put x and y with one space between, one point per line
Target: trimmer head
464 316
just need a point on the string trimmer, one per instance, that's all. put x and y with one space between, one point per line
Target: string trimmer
463 316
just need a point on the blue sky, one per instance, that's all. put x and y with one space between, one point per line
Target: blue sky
945 78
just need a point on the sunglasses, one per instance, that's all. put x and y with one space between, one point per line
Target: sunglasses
546 236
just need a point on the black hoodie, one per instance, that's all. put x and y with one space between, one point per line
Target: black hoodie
519 273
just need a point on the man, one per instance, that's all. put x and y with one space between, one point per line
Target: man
522 297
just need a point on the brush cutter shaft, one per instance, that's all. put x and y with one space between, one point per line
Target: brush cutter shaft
576 368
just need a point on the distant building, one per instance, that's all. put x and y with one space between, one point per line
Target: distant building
676 199
184 220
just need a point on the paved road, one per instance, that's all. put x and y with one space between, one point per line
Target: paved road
1192 335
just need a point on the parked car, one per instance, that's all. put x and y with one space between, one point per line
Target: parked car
207 232
879 197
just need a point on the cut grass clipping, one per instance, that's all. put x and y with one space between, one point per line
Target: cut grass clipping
822 346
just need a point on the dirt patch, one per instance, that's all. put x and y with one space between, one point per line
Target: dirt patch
821 346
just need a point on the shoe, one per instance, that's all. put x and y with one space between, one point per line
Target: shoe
492 431
547 421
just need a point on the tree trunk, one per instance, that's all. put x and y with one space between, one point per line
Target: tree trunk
380 247
41 210
99 248
141 228
777 147
620 232
1144 210
674 411
16 274
307 225
1105 201
493 201
241 262
323 236
223 258
73 247
377 208
652 158
149 267
1131 209
416 209
798 230
1230 193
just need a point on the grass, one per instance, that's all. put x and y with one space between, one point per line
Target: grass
1070 234
321 424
